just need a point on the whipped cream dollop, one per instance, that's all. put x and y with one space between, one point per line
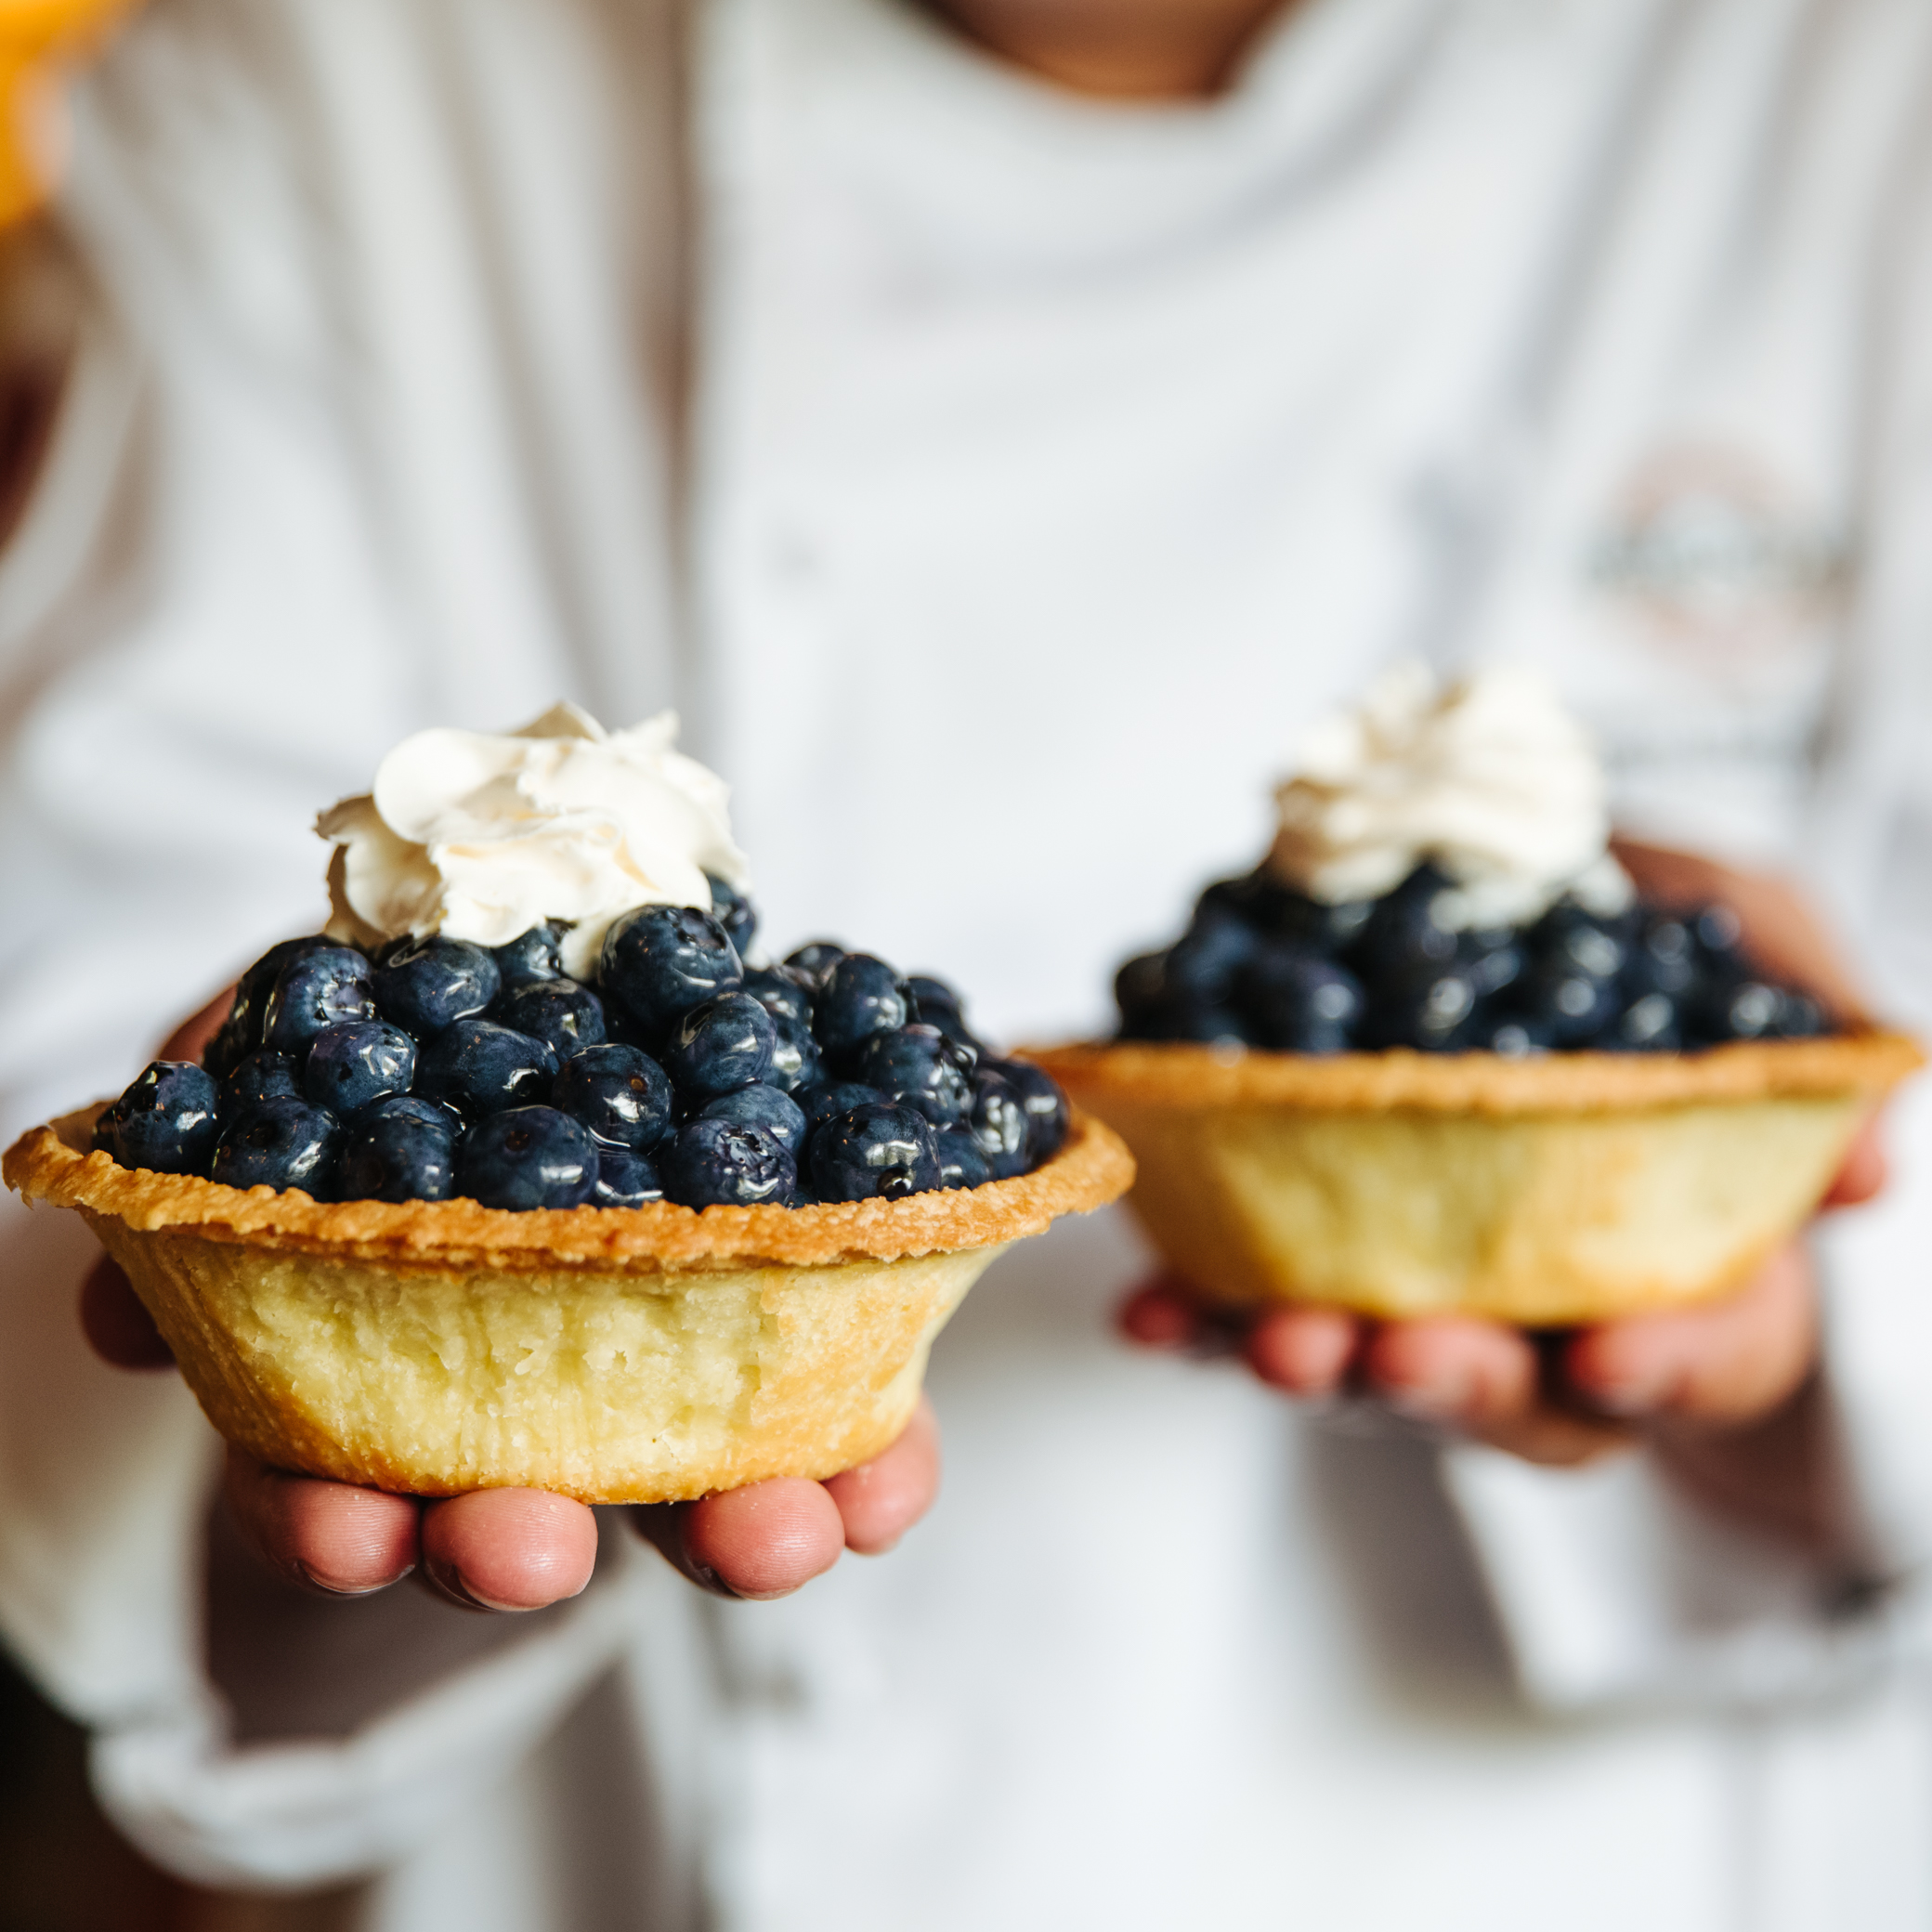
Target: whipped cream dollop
1489 778
480 836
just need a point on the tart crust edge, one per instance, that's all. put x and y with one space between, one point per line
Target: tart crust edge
53 1163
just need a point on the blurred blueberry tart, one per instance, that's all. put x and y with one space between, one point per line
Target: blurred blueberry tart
1438 1054
524 1173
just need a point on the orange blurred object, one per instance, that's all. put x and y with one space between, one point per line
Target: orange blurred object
38 38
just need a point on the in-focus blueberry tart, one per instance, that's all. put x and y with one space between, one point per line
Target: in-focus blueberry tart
519 1174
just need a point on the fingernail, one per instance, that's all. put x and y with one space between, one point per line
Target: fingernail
451 1582
337 1589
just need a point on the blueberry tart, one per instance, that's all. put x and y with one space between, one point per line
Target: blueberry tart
1437 1055
523 1173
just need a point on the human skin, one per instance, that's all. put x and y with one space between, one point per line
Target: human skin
517 1550
1118 49
1726 1394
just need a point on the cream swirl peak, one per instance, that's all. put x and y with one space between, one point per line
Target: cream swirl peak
1489 778
481 836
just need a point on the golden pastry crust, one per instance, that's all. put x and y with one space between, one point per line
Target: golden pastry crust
1572 1188
617 1355
53 1164
1177 1074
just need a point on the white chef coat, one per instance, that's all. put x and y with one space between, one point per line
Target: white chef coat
997 481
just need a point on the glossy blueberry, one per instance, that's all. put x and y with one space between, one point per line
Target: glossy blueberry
1648 1024
920 1067
412 1106
1141 993
1297 1001
796 1061
862 996
1573 1004
934 1003
357 1061
1410 934
1047 1115
317 990
532 955
878 1151
1664 959
280 1144
777 1114
726 1042
624 1179
1505 1034
240 1033
733 911
567 1017
816 960
826 1099
526 1158
622 1095
400 1150
661 960
479 1067
1745 1009
725 1164
166 1121
1578 945
1719 936
960 1162
1492 962
783 991
426 984
263 1076
998 1125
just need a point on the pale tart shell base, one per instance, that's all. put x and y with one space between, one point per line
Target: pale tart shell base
1568 1189
638 1355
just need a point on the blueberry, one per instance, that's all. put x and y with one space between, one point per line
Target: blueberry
1408 934
479 1067
1200 967
1204 1026
314 991
356 1061
1574 944
862 996
1573 1005
1648 1024
816 960
566 1016
726 1042
399 1153
280 1144
1664 960
1508 1034
935 1004
1719 935
661 960
1492 962
165 1122
878 1151
623 1096
530 957
796 1061
920 1067
263 1076
783 991
1046 1116
960 1162
1803 1018
426 984
1747 1009
412 1106
733 911
526 1158
725 1164
1296 1002
777 1114
240 1033
827 1099
625 1180
998 1125
1141 993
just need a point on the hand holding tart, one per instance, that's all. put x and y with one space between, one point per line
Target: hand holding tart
1437 1055
517 1176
